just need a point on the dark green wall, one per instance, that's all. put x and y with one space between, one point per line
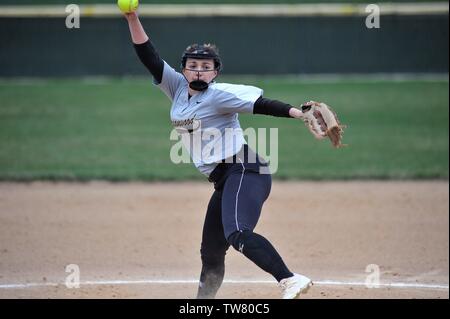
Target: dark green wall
44 47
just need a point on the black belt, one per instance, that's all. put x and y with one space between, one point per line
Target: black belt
231 164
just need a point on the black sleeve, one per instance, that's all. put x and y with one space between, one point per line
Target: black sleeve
150 58
271 107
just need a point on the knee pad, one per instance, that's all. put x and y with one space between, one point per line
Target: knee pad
240 239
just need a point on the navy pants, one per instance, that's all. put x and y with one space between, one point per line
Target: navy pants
233 212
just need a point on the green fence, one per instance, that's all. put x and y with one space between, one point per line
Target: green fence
249 45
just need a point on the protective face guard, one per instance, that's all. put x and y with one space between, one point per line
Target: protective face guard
199 85
202 54
194 70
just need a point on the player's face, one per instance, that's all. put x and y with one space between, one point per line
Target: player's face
200 69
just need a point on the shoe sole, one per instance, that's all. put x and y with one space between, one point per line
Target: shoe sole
304 290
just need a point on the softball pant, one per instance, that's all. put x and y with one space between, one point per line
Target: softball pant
232 214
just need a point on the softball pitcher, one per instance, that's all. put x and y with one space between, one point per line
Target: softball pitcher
199 104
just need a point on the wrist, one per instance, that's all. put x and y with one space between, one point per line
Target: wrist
295 113
132 16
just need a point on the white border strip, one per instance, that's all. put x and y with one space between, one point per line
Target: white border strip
217 10
193 281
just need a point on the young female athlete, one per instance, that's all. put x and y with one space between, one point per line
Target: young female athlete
240 181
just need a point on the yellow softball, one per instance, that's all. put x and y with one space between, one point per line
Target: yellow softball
127 6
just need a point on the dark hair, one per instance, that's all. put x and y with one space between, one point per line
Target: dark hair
202 51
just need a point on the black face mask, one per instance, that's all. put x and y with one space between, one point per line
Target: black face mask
198 85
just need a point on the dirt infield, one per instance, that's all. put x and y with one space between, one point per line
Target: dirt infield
138 240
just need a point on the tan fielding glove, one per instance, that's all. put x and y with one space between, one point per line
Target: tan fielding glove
322 121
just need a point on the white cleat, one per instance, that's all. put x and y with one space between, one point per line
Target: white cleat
294 286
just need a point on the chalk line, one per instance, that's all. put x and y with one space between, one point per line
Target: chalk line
229 281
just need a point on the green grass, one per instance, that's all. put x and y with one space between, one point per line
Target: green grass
119 130
64 2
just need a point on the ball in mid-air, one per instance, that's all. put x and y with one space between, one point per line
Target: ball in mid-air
127 6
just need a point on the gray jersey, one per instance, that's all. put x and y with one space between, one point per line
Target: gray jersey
208 122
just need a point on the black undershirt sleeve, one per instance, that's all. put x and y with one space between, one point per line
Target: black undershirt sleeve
151 59
271 107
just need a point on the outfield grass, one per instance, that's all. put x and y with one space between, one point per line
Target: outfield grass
119 130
